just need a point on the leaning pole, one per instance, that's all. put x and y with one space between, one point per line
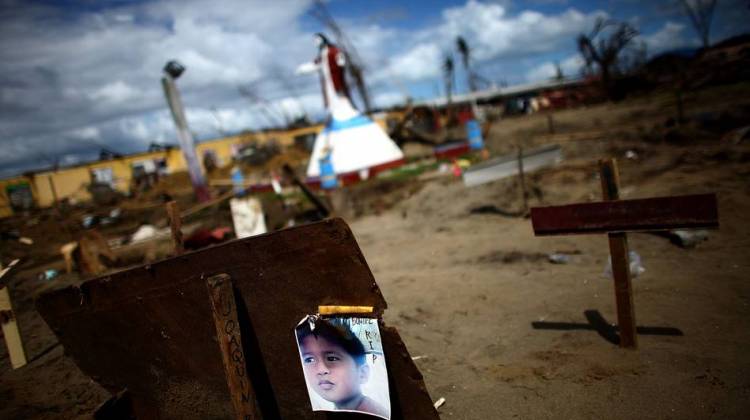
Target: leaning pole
172 71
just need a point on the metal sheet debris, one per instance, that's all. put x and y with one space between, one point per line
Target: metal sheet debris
505 166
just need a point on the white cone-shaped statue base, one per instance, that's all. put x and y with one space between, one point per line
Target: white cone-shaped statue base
356 144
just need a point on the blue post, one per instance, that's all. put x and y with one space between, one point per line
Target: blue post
328 180
238 181
474 132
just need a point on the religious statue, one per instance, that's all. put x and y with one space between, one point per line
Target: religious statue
350 142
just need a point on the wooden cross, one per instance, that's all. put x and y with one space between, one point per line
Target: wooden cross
616 217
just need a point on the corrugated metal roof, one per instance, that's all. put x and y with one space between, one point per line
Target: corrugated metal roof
500 91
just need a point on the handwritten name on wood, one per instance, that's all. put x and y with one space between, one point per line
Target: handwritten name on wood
224 311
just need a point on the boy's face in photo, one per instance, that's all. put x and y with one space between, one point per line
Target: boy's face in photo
332 372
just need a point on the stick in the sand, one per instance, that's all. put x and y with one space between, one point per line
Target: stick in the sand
224 310
175 224
550 124
207 204
323 210
522 178
10 325
616 217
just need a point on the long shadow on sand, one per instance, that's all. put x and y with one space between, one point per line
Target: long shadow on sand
607 331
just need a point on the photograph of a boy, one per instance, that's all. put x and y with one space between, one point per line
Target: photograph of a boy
335 367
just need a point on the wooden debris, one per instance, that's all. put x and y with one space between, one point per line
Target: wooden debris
6 270
12 335
207 204
510 165
67 251
135 328
91 247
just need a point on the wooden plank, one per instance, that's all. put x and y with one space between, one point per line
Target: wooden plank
206 204
12 334
175 225
224 311
150 329
648 214
618 251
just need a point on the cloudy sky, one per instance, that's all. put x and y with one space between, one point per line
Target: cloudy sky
77 76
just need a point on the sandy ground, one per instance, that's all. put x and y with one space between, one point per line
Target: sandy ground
464 288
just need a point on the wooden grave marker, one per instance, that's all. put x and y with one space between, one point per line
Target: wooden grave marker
616 217
175 227
151 330
224 311
247 217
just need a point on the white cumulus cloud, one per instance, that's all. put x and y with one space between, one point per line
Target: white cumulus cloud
570 67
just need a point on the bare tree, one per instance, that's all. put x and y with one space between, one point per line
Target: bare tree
635 57
603 46
465 51
701 13
219 122
448 76
270 114
559 76
290 90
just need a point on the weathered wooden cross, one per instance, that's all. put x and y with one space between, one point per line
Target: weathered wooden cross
616 217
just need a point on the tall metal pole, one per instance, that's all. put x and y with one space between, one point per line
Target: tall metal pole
186 139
